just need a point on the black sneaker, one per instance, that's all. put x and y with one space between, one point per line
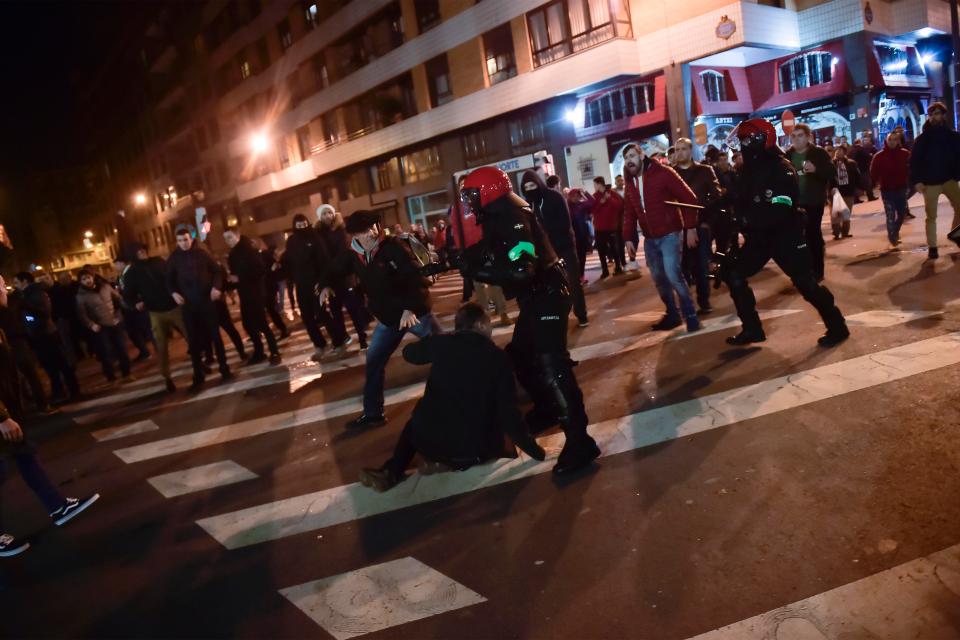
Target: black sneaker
833 337
666 323
226 376
10 546
933 253
171 388
380 480
693 324
275 359
71 508
363 420
196 385
575 458
747 337
583 323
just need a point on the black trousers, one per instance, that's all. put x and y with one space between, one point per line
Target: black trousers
606 242
543 365
353 301
254 320
226 323
314 315
203 329
50 354
572 266
814 234
788 248
270 306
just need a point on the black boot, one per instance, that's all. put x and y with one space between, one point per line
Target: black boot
845 229
747 336
576 455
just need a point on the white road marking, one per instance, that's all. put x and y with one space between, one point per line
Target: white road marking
346 503
208 476
882 318
918 599
134 428
315 413
379 597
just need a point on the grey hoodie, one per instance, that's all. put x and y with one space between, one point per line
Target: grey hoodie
95 307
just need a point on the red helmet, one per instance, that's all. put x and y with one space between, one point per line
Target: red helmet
482 187
753 135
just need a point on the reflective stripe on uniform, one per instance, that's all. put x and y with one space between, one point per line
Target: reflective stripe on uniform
522 248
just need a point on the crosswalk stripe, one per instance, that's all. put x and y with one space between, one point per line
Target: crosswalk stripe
338 408
112 433
208 476
347 503
379 597
917 599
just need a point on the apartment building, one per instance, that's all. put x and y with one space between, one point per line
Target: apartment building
262 109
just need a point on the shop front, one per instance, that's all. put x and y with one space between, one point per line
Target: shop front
829 119
514 167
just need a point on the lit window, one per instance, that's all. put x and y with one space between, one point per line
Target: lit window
311 14
245 70
526 132
806 70
420 164
898 60
715 85
563 27
498 50
438 75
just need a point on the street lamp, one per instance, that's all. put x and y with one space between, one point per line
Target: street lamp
259 143
139 199
88 234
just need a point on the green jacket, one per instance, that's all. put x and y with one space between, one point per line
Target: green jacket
813 186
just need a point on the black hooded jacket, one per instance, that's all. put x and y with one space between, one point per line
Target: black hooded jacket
935 157
306 259
550 207
767 192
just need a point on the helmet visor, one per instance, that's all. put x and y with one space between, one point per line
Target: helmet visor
470 202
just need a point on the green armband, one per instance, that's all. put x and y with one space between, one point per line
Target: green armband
787 200
521 248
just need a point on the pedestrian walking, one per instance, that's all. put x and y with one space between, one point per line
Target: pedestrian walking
12 325
36 311
862 153
343 290
816 175
935 169
890 171
224 319
63 304
580 203
847 183
398 296
703 182
607 213
249 275
196 283
145 289
550 207
470 403
266 254
135 321
15 444
98 312
306 259
652 189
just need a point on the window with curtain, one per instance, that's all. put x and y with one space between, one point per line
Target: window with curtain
498 52
567 26
805 70
526 132
420 164
619 103
714 85
438 75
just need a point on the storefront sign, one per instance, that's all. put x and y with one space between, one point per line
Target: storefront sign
520 163
788 122
726 28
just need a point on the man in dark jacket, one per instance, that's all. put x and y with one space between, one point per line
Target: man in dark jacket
145 289
36 311
12 325
935 169
703 182
97 311
550 207
63 300
470 402
890 170
342 292
24 454
306 259
249 275
398 296
816 174
196 282
650 186
271 282
847 183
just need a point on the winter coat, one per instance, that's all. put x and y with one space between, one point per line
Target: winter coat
146 281
703 182
96 308
470 400
550 207
390 276
193 274
890 169
607 211
813 186
935 158
245 263
336 241
847 186
63 301
766 194
9 384
579 218
36 310
655 217
306 259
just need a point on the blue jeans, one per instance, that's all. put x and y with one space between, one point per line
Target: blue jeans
383 343
895 206
25 456
664 257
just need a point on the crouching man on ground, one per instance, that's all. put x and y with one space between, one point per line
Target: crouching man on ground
470 402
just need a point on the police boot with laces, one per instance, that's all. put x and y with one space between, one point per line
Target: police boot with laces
834 336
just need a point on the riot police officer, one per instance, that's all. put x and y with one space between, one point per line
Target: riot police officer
766 203
505 245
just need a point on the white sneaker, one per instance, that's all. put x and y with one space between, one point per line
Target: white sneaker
10 546
71 508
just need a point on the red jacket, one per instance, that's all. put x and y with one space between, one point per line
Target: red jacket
607 216
890 169
657 219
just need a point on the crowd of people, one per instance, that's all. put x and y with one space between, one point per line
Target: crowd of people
721 219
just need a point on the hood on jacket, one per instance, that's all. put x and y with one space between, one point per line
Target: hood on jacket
534 196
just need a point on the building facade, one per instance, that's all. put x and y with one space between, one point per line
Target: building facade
262 109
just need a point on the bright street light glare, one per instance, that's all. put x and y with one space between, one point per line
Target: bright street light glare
258 143
140 199
88 234
571 116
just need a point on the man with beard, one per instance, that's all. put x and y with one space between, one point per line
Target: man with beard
652 193
551 209
935 169
766 202
515 253
703 182
248 273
